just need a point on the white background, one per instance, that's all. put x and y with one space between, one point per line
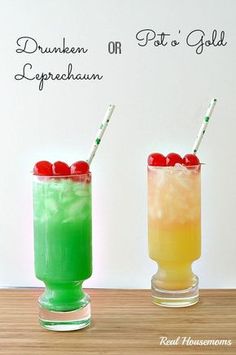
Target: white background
161 95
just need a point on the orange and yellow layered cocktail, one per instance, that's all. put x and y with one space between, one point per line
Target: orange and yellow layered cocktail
174 232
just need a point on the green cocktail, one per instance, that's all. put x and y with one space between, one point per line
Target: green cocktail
63 249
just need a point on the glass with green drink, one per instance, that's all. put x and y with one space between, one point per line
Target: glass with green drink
63 239
63 248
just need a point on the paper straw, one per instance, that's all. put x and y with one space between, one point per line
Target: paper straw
100 132
203 126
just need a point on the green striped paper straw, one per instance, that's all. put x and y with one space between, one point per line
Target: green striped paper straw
100 132
203 126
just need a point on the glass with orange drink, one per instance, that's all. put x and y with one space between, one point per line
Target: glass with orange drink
174 227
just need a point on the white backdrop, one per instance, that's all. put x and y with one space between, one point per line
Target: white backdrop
161 94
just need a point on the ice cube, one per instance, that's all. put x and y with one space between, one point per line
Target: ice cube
51 206
76 211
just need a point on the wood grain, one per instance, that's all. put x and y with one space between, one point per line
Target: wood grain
124 322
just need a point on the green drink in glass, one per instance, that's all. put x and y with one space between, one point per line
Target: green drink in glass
63 249
63 238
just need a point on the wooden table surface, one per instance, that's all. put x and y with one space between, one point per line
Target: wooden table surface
124 322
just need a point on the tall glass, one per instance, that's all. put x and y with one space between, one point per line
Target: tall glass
174 226
63 249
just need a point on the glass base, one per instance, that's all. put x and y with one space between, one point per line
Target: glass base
175 298
65 321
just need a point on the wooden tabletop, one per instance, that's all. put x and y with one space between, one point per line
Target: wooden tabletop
124 322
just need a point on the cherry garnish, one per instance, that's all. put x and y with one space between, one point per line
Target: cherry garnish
60 168
190 160
43 168
173 158
156 159
79 168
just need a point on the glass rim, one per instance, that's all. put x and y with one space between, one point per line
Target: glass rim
62 176
175 167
